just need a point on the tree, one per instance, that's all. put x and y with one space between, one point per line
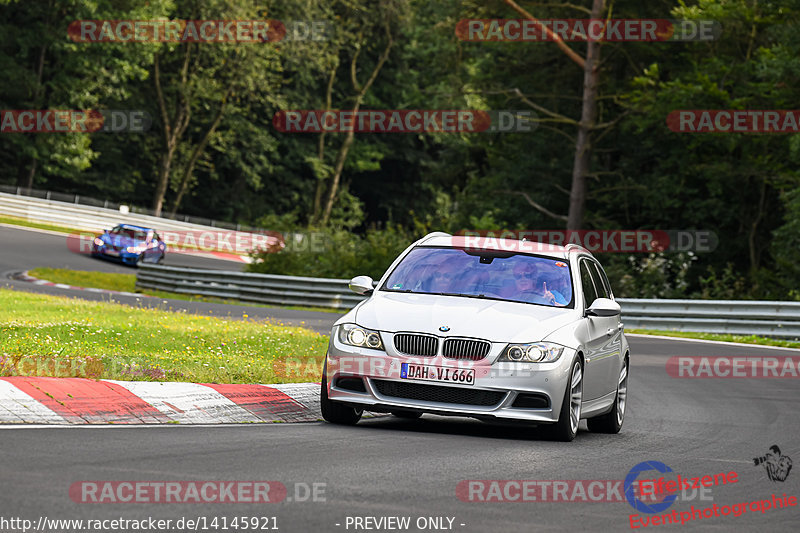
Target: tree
364 29
199 84
590 63
53 72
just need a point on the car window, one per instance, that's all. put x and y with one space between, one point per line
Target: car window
510 276
602 281
131 233
589 291
602 290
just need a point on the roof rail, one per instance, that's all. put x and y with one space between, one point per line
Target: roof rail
433 235
576 247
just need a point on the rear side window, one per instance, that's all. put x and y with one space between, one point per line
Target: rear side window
602 279
589 292
600 283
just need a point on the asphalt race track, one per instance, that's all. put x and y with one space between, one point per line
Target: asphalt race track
389 467
22 250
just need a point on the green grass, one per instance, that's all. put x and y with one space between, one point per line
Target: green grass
62 337
82 278
27 224
127 283
742 339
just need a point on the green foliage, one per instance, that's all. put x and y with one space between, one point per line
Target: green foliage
729 285
786 248
335 253
654 275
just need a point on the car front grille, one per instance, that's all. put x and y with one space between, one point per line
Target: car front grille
473 350
437 393
408 344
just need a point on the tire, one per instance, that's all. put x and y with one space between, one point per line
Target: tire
408 415
611 422
570 416
335 412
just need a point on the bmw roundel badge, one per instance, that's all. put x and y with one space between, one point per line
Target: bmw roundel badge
444 328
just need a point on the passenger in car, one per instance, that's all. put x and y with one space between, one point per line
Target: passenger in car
527 287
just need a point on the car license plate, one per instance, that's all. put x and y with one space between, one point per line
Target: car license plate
437 373
112 253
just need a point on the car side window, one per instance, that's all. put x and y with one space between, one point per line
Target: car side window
599 281
603 279
589 292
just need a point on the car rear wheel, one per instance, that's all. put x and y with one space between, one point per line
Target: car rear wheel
611 422
335 412
410 415
570 416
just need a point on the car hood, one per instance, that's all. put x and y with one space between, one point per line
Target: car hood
492 320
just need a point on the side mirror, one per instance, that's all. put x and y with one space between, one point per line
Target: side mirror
361 285
603 307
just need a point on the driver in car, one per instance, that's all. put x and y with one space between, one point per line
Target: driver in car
440 277
527 287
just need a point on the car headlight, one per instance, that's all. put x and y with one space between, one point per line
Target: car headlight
357 336
98 242
539 352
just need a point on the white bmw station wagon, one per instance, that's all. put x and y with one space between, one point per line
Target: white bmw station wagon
484 328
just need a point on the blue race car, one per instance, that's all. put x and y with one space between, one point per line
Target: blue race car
130 244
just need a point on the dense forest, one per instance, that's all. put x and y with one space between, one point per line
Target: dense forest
601 156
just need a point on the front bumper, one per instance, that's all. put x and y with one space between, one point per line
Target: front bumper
117 255
515 391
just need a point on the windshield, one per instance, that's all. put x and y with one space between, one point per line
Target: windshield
136 235
498 275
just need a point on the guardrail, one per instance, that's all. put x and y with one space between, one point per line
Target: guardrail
183 235
738 317
78 200
248 287
83 217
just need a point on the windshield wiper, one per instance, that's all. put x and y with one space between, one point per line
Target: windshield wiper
481 296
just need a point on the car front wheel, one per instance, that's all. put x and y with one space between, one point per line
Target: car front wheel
335 412
570 416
